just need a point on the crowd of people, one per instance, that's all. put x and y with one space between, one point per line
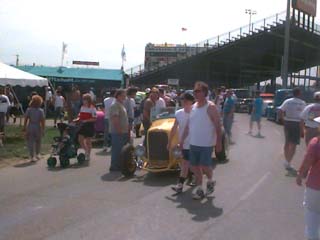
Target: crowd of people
199 124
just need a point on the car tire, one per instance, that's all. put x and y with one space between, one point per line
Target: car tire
128 161
52 162
81 158
223 155
64 161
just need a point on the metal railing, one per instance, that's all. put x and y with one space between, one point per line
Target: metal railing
219 41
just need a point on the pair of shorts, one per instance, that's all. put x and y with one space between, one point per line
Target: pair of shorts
58 112
186 154
292 132
255 118
201 156
87 130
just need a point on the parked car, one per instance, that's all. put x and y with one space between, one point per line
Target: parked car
155 157
267 101
273 109
243 100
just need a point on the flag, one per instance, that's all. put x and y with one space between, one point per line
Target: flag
183 29
123 54
64 48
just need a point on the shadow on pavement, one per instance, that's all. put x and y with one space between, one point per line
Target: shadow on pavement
200 211
58 168
157 179
114 177
24 164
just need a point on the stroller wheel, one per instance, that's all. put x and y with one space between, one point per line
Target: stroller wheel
52 162
64 162
81 158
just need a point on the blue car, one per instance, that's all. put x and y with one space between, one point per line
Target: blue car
280 96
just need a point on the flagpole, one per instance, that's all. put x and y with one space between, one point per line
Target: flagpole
62 54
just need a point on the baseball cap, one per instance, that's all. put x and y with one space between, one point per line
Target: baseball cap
317 119
316 95
148 90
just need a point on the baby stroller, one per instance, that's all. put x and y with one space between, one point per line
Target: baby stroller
65 146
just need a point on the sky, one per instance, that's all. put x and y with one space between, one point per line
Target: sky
96 30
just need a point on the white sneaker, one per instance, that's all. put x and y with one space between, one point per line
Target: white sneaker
88 157
38 157
199 194
287 166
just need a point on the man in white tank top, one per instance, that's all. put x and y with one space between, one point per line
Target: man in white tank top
204 131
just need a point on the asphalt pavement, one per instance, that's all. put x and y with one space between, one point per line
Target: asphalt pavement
255 199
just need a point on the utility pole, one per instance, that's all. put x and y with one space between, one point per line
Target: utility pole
17 60
285 62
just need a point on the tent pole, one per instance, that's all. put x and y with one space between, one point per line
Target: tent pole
16 98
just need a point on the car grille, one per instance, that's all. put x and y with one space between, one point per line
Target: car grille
157 144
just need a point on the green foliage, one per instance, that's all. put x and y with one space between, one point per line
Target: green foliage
15 144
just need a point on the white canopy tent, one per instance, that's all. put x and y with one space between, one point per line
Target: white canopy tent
15 77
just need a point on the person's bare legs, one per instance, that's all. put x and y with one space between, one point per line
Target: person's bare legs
88 144
198 174
208 172
184 168
82 143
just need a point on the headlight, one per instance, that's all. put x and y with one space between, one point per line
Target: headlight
176 152
139 151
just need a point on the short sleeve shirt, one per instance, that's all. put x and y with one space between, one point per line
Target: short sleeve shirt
293 108
258 105
4 103
107 104
182 118
35 115
228 105
87 113
313 153
311 112
117 109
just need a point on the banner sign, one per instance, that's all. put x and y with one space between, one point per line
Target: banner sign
85 63
307 6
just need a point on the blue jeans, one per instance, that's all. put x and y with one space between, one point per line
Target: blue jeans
106 133
227 124
117 142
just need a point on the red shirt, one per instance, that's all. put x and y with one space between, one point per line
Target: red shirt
313 155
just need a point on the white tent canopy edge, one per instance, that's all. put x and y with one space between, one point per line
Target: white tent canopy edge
15 77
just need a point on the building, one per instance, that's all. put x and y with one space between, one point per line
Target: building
158 55
85 78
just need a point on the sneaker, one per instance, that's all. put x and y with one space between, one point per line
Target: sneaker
38 157
249 133
32 159
288 166
178 188
210 187
88 157
259 135
199 194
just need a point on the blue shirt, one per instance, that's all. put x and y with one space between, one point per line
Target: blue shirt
228 105
258 106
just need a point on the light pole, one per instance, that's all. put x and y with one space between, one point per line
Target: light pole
250 12
286 48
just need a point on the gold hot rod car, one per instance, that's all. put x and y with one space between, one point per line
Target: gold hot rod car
156 157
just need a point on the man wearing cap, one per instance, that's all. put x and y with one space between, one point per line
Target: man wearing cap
290 112
308 115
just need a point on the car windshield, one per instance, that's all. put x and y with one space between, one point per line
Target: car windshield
242 93
167 112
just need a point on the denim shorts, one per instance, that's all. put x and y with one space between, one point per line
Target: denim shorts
200 156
